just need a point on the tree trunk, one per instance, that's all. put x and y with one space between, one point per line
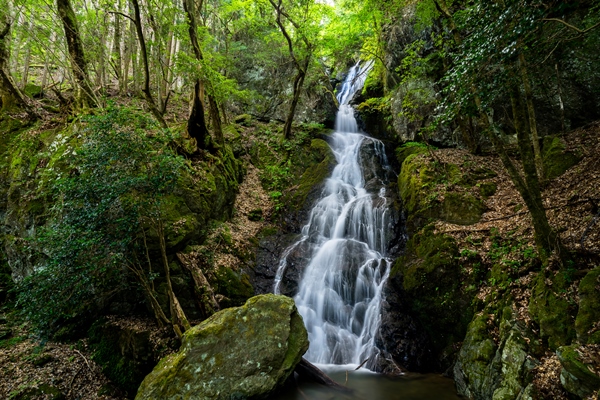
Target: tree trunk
117 61
539 164
196 121
301 69
178 317
10 95
297 90
204 292
85 95
146 89
547 241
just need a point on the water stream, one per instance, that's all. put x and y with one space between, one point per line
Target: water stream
340 293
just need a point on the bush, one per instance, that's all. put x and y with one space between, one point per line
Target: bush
104 205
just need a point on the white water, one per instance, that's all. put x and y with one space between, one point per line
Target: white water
340 292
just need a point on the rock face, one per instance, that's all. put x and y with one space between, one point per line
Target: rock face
239 353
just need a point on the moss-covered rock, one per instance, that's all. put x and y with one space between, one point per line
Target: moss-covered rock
416 182
461 209
234 286
431 278
499 371
575 376
552 311
588 316
409 149
474 357
555 158
238 353
322 165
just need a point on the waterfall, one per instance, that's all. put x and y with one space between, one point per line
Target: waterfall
340 292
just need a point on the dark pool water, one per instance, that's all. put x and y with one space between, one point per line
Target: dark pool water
370 386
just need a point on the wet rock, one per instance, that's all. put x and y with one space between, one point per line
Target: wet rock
268 254
238 353
401 336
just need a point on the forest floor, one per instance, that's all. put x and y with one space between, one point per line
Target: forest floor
35 370
572 202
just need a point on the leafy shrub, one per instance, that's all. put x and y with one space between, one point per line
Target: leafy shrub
104 205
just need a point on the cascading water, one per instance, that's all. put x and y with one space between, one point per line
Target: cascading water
340 293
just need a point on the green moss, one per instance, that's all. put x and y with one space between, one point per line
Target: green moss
461 209
33 90
415 177
432 280
487 189
244 120
409 149
553 312
236 287
589 308
571 361
314 175
556 160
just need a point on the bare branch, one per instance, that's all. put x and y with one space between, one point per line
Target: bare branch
582 31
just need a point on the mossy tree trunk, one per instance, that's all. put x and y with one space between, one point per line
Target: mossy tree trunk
9 93
85 94
179 320
196 121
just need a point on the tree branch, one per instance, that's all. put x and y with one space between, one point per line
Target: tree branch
581 31
123 15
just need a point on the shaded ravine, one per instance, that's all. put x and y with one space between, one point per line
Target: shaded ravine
340 292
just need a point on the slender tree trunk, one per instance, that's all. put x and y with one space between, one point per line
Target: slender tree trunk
27 60
78 62
546 238
301 68
116 48
146 89
196 121
178 317
297 91
539 164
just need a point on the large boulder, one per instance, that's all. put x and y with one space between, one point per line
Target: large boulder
239 353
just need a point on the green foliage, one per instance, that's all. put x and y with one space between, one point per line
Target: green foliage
113 192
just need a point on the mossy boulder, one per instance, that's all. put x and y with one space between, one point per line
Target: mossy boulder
234 286
409 149
460 208
555 158
238 353
552 311
431 278
501 369
575 376
34 91
588 316
474 357
417 184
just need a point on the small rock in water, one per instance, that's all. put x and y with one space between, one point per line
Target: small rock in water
235 354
